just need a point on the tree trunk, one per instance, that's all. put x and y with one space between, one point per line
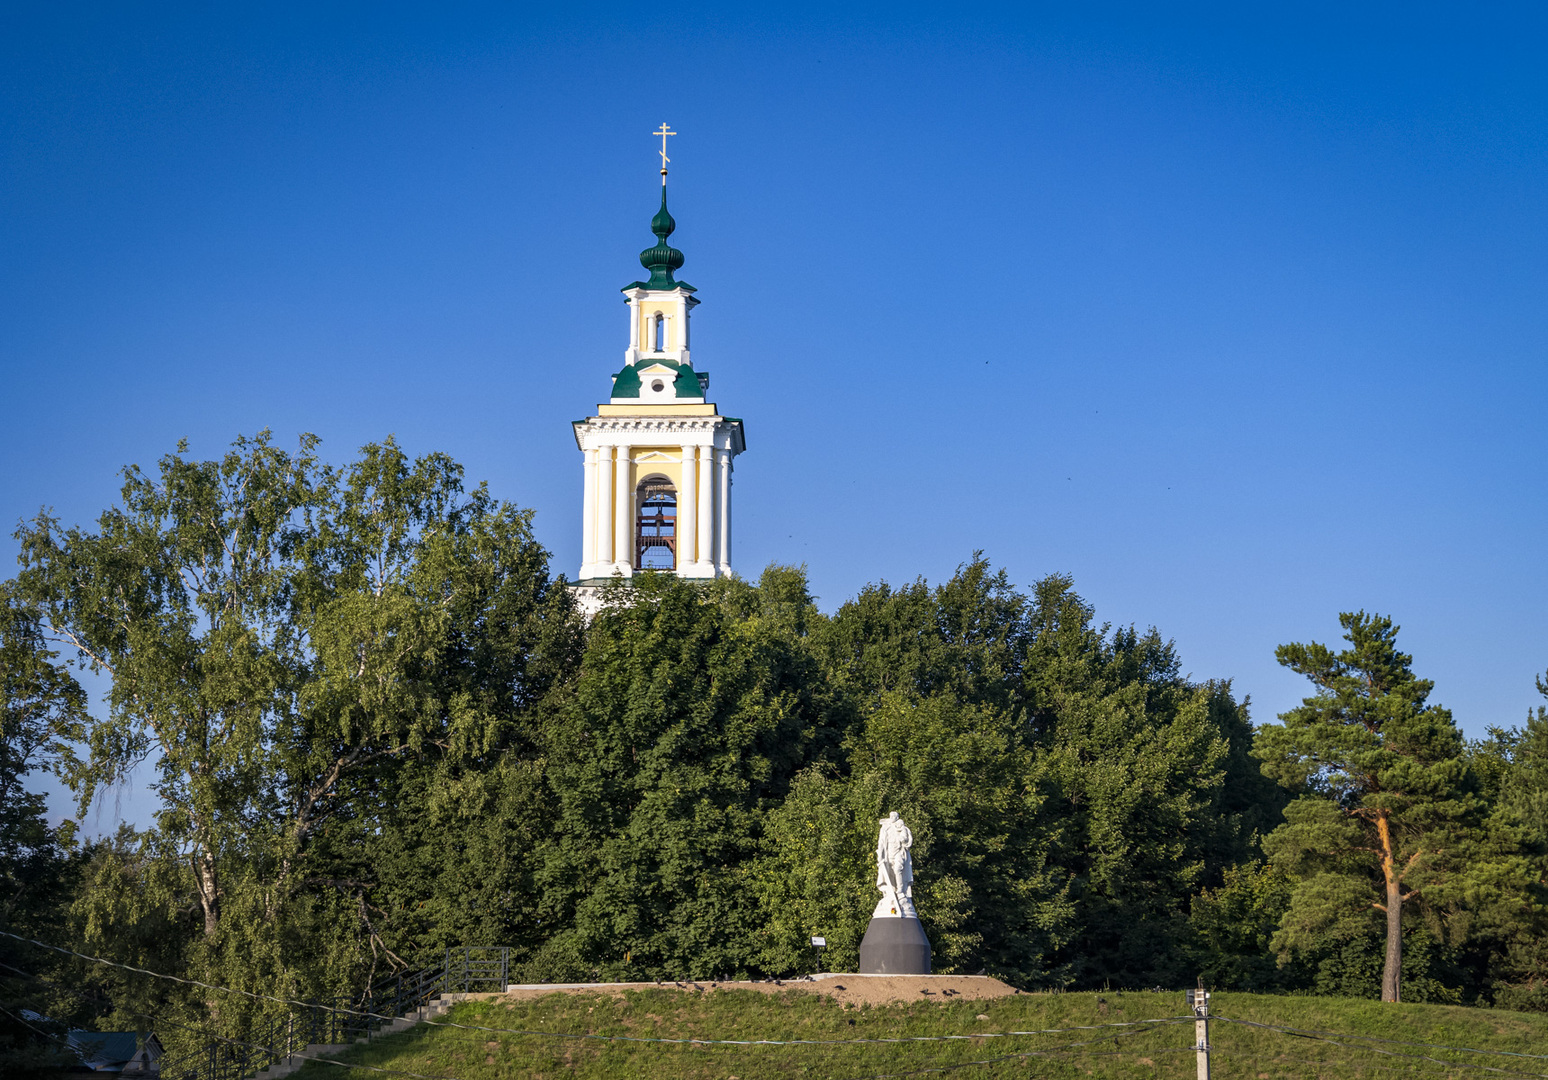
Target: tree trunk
209 898
1392 969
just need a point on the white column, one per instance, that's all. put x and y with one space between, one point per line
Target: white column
706 506
589 517
723 478
687 515
623 513
602 534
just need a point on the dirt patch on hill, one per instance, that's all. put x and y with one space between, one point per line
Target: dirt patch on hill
848 989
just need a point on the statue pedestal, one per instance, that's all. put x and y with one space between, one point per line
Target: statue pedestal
895 946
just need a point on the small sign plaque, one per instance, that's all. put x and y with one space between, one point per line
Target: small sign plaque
819 942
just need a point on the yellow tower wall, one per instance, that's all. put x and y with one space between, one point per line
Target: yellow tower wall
647 332
672 468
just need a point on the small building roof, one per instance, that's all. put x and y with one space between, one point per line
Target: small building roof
107 1051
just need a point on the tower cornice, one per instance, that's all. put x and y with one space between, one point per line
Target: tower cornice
723 432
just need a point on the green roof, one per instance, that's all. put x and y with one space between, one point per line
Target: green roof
687 383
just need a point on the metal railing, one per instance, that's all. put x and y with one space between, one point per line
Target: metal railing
478 967
341 1020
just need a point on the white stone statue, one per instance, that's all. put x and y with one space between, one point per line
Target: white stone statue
895 870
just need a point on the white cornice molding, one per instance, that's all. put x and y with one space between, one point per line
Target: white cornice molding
717 431
651 423
679 293
599 431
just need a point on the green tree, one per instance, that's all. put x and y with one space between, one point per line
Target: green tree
1150 796
436 636
1120 787
1385 797
1233 929
133 903
1511 895
694 708
180 599
960 775
929 685
966 637
453 857
40 704
285 640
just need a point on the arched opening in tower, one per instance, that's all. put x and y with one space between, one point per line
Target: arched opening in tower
655 525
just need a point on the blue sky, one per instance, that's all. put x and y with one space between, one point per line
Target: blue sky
1235 314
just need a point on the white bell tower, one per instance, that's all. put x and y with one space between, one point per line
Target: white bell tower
658 454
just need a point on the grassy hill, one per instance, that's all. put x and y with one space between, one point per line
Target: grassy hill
530 1038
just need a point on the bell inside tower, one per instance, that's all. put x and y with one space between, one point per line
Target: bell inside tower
655 525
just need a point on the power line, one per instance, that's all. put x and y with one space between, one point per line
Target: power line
1057 1051
1160 1022
278 1056
160 1019
175 978
1320 1036
1280 1059
1332 1038
1046 1051
34 1027
1323 1036
1389 1042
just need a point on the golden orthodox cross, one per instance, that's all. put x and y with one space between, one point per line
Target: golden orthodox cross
664 131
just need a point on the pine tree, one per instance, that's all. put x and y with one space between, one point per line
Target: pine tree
1386 799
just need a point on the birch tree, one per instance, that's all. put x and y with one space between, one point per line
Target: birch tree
180 598
278 634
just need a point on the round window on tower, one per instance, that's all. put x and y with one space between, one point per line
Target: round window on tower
658 386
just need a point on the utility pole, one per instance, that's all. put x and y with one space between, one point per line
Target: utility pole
1198 1001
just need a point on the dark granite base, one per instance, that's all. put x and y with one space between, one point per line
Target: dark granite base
895 947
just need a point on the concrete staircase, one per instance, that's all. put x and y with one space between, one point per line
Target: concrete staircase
428 1011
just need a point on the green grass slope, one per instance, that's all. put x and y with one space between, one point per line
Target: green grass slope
529 1040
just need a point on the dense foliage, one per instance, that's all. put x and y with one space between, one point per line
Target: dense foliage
380 728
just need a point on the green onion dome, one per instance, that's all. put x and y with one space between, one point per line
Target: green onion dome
662 259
